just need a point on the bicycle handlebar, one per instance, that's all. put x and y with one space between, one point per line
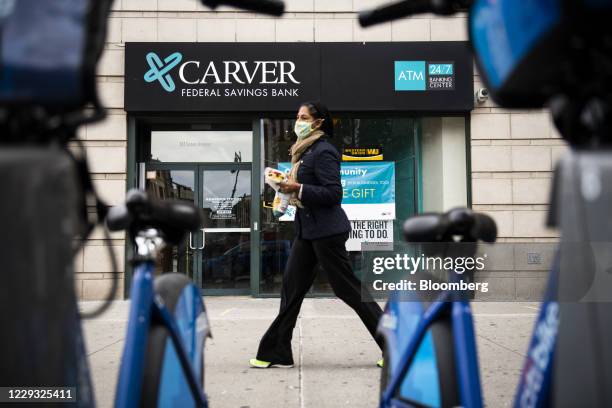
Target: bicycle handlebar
172 217
463 222
397 10
271 7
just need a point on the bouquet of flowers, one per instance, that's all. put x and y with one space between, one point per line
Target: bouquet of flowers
273 178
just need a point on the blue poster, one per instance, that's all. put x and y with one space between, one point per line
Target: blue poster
368 183
368 189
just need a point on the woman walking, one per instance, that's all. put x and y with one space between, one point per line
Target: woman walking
322 229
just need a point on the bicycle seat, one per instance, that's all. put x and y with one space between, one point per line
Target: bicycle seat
172 217
468 225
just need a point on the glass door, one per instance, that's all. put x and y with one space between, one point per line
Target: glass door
209 165
177 182
226 234
218 257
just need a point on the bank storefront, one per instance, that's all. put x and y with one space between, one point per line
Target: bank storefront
205 119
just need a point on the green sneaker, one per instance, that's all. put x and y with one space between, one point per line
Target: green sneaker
255 363
380 363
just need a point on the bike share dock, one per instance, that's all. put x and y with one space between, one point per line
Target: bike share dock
335 357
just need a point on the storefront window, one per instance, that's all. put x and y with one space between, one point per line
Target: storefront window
443 163
201 146
426 156
413 164
276 236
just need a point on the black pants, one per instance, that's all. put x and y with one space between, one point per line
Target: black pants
330 253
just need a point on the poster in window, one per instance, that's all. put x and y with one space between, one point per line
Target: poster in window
373 234
368 191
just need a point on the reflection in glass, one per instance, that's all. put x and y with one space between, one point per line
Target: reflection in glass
398 138
176 185
276 236
226 203
226 260
274 256
201 146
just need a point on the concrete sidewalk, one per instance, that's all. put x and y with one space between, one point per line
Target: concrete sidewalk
335 357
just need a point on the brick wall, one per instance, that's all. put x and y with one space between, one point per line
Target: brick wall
512 152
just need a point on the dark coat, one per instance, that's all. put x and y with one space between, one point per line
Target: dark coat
319 173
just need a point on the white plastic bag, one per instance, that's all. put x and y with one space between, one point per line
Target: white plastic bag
273 178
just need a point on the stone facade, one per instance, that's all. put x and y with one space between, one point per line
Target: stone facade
512 152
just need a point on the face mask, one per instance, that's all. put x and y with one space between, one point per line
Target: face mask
302 129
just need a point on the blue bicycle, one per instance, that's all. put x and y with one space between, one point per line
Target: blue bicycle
430 349
530 54
49 52
163 357
431 356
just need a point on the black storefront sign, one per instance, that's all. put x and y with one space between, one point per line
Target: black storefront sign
268 77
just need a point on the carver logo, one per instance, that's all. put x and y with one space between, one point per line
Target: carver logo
159 70
424 76
222 78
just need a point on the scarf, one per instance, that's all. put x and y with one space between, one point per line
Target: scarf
296 151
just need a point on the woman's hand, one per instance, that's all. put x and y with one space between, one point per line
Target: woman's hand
289 187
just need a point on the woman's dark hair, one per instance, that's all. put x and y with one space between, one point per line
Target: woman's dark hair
319 111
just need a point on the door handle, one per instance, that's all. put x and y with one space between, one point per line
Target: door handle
191 242
191 246
203 238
